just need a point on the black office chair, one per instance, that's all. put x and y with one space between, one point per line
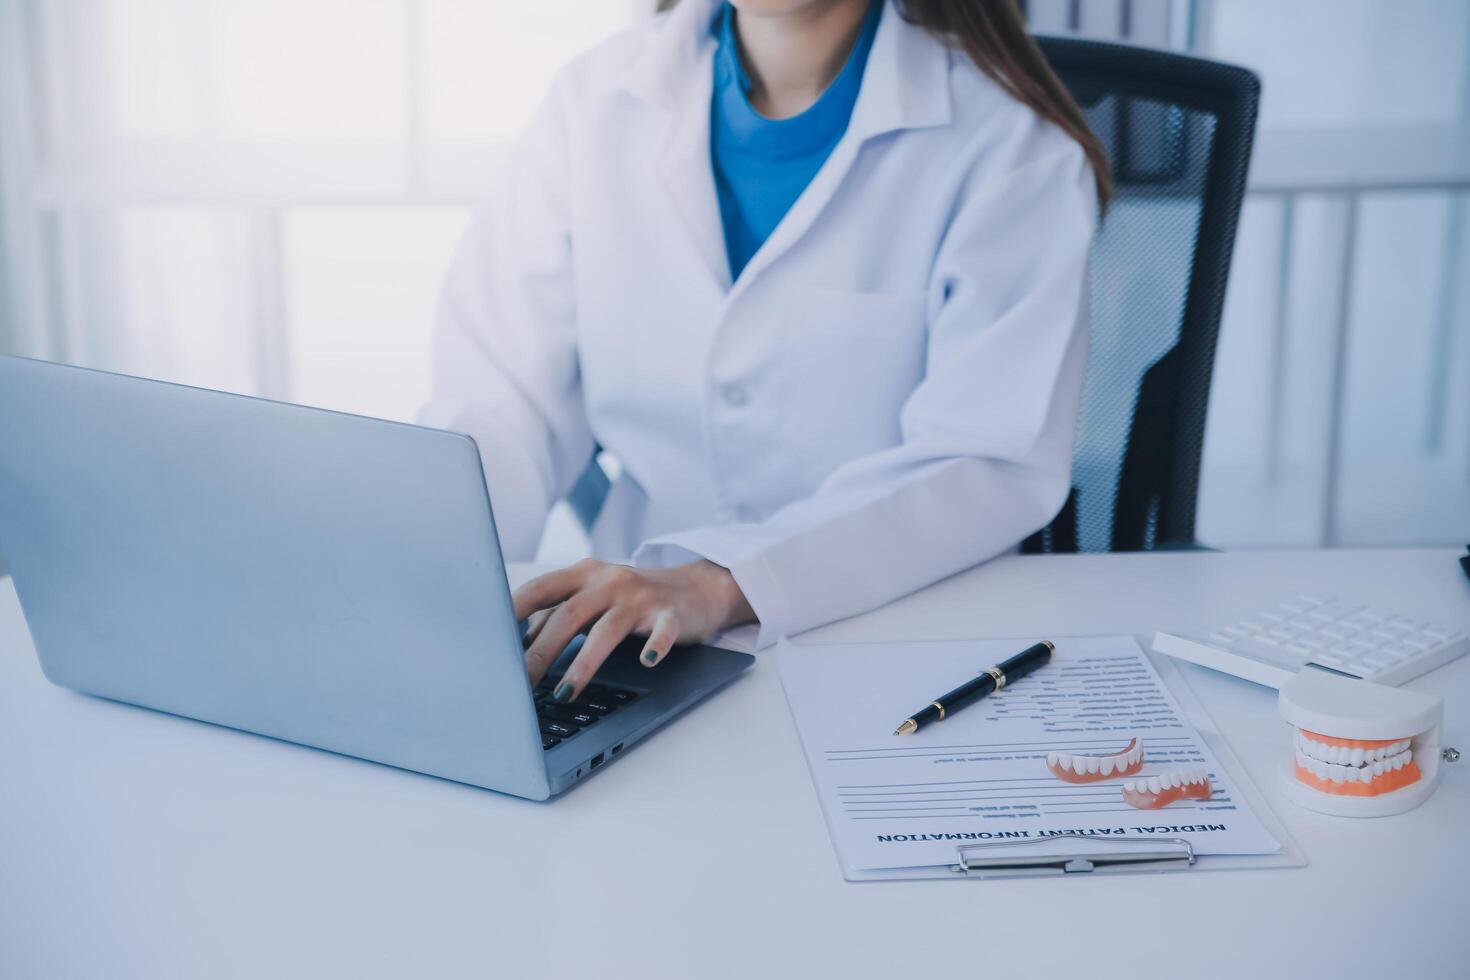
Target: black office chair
1177 131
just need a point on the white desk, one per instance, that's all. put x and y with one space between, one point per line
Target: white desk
136 844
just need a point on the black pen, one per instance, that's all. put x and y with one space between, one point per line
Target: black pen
991 679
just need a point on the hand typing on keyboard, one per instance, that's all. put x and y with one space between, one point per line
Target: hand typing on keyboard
609 602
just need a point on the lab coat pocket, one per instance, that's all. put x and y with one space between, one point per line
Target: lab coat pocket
851 361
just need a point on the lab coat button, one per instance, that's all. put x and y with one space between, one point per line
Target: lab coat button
736 396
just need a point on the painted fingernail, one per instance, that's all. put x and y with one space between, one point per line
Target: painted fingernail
563 693
650 657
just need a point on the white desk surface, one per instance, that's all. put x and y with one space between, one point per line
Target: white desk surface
134 844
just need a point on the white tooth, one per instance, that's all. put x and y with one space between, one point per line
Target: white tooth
1404 745
1320 769
1166 780
1372 755
1051 760
1079 765
1092 764
1357 757
1364 775
1340 754
1155 785
1377 768
1128 785
1105 766
1336 773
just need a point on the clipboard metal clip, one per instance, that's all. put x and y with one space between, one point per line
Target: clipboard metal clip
1142 854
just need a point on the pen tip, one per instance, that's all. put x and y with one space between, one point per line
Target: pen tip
908 726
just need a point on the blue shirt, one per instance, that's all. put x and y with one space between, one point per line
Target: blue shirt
762 165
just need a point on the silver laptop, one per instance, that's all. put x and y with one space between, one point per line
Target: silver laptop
322 578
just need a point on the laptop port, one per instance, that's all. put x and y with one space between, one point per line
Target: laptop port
597 760
617 748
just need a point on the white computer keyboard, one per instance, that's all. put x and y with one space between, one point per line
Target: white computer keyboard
1350 638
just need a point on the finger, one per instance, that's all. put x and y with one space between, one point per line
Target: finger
533 627
565 622
610 630
665 634
547 590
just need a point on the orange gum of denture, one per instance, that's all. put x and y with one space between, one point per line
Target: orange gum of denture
1377 786
1070 776
1157 801
1351 743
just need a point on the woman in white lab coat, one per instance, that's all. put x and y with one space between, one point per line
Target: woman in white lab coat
812 270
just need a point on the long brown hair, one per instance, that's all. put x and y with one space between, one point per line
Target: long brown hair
993 34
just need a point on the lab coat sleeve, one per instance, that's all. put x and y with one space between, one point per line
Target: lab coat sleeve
986 437
505 367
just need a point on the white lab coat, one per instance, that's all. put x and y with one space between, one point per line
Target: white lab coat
885 396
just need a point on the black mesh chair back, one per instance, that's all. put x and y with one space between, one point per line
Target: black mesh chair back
1177 132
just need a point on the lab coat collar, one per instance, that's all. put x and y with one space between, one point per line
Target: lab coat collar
905 84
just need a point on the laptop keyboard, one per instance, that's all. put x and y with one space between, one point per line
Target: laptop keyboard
560 722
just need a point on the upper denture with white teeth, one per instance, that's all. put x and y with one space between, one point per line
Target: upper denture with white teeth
1354 767
1094 768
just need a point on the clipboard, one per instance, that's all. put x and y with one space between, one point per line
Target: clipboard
1085 855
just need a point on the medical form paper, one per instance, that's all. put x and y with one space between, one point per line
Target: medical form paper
894 802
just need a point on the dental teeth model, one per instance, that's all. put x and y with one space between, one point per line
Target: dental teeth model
1354 767
1157 792
1094 768
1359 749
